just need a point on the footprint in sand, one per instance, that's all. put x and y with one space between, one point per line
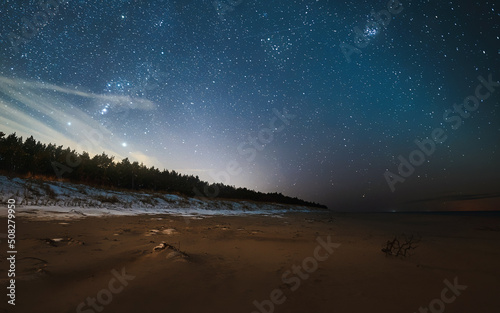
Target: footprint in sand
30 268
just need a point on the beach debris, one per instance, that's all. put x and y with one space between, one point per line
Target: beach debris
167 231
163 246
69 241
152 232
222 227
401 245
159 247
176 252
50 242
78 212
196 218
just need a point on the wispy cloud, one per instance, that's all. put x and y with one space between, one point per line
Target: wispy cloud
53 114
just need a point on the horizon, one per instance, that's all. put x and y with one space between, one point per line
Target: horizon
408 207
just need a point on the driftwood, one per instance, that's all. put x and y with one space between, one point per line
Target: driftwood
164 245
401 245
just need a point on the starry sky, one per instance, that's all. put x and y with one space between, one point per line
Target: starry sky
318 99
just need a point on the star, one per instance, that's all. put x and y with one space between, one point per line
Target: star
363 83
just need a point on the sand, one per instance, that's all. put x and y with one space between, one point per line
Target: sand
251 264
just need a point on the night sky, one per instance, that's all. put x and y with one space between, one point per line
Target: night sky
321 100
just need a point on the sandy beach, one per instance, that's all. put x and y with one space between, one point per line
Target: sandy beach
317 262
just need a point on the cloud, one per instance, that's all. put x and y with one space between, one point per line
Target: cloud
20 89
142 158
13 120
52 114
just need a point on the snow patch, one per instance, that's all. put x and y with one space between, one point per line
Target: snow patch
61 200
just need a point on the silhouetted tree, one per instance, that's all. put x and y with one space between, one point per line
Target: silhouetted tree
35 158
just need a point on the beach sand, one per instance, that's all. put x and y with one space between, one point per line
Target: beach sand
243 264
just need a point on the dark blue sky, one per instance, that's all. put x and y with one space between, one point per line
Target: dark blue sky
314 99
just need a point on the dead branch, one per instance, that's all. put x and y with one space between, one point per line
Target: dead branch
401 246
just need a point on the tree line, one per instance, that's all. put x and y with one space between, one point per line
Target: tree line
31 157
